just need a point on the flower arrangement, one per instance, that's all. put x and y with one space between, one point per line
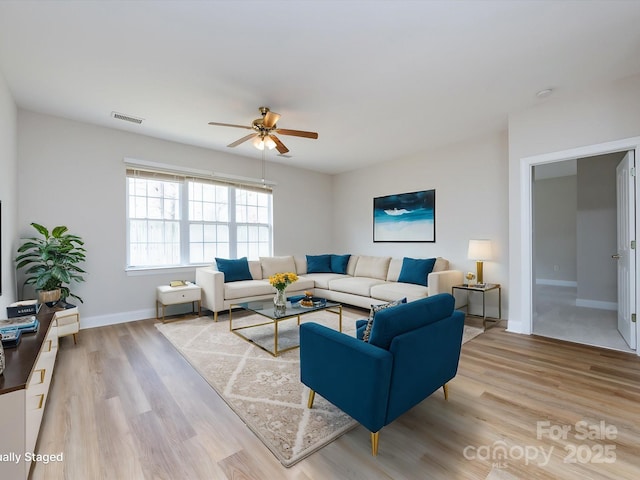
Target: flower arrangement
282 280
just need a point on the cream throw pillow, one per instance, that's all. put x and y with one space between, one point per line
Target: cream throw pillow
273 265
441 264
372 267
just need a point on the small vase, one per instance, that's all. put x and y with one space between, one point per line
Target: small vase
280 303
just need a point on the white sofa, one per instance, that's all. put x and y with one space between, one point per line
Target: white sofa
369 280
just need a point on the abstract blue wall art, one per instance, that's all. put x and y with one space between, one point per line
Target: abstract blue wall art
405 217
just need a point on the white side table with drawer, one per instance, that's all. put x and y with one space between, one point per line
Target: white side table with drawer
167 295
68 322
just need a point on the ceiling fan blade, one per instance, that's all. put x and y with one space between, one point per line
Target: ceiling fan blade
270 119
279 145
242 140
229 125
297 133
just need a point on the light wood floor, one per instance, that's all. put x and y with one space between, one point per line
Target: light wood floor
125 405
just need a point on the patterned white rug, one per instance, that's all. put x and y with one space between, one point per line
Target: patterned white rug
265 391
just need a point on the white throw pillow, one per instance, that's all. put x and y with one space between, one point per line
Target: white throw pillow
256 269
372 267
273 265
441 265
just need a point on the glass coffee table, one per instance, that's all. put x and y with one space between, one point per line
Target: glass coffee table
266 309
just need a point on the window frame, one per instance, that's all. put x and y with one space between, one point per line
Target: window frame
185 223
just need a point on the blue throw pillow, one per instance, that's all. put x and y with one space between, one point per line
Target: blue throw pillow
234 270
319 263
339 263
416 270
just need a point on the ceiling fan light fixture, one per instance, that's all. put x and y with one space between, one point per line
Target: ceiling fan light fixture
265 129
269 143
258 143
261 142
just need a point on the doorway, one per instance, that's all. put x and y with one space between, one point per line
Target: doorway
574 246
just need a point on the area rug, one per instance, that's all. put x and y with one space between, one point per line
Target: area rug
265 391
470 333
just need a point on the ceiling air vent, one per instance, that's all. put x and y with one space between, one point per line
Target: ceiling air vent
126 118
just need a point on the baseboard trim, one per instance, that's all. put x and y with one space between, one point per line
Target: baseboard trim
116 318
517 327
131 316
556 283
600 305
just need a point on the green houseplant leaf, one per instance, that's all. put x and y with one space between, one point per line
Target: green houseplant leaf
52 260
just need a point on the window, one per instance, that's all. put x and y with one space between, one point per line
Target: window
209 214
175 220
253 210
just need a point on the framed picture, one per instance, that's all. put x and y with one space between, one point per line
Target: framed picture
405 217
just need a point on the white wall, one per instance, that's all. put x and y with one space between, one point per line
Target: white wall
555 234
601 114
73 174
8 194
470 180
597 231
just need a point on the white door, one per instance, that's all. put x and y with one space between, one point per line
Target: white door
626 255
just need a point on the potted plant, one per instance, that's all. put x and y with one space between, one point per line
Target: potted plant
52 262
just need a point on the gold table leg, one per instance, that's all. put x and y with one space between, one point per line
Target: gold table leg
275 337
276 350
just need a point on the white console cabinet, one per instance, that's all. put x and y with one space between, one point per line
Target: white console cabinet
24 388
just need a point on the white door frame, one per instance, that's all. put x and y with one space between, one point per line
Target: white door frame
526 205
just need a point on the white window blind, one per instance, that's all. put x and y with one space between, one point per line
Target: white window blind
178 219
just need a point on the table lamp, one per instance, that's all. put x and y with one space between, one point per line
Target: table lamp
479 250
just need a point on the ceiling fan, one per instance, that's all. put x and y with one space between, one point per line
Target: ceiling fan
265 129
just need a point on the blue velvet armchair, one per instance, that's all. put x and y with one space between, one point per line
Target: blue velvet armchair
413 350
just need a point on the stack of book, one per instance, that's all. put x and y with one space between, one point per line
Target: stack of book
23 308
12 329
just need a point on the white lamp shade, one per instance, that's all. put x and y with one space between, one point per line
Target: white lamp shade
479 250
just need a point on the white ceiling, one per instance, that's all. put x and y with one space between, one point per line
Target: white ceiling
376 79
